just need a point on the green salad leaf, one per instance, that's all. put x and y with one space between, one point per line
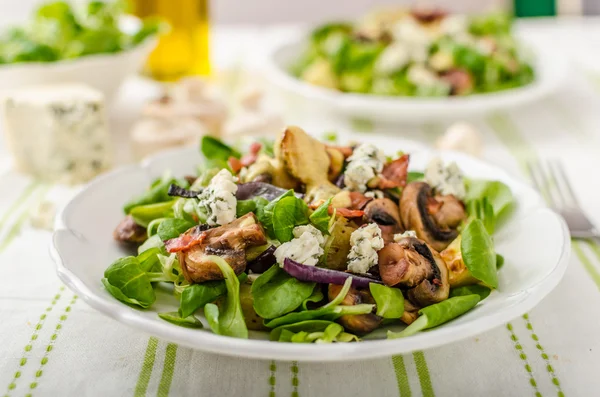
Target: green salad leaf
196 296
315 297
152 242
156 194
496 193
389 301
265 216
172 227
437 314
255 204
474 289
320 217
276 293
144 214
126 281
331 311
186 322
478 253
288 213
216 152
149 261
306 326
228 320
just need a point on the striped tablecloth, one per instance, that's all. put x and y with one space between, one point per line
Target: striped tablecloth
53 344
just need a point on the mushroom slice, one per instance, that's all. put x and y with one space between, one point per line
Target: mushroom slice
356 323
228 241
434 288
406 263
411 313
385 213
421 212
127 231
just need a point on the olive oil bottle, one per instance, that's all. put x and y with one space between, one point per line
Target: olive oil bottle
184 50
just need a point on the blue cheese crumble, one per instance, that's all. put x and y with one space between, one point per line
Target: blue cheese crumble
445 179
305 248
365 242
408 233
218 200
366 163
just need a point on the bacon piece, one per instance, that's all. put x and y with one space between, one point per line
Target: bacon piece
235 164
394 174
192 237
251 157
358 200
346 212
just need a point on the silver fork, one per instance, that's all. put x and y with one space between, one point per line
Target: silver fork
551 181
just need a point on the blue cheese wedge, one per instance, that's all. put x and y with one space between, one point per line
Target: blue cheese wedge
305 248
218 200
58 133
445 179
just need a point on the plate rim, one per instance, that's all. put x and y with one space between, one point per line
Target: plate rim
261 349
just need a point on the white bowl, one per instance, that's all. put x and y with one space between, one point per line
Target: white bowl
550 68
105 72
534 241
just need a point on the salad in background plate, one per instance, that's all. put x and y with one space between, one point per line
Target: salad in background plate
58 31
416 53
311 242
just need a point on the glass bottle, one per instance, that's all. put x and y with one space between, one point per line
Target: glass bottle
184 50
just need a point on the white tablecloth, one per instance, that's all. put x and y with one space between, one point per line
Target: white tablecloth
53 344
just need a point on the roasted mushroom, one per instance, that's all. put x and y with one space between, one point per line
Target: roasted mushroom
356 323
385 213
411 313
413 264
228 241
433 218
405 263
127 231
306 159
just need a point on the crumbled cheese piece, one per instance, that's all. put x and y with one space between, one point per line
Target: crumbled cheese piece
365 241
421 76
441 61
374 194
463 137
392 59
305 248
58 133
454 24
218 199
445 180
42 217
365 164
408 233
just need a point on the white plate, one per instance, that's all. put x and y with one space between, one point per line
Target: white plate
535 243
551 68
105 72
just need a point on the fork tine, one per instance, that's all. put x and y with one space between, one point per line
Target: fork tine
540 181
568 192
553 186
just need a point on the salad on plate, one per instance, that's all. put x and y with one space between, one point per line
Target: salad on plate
416 53
311 242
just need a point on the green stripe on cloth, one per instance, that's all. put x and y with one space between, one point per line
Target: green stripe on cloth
401 377
146 371
272 378
594 247
44 360
519 349
549 367
295 369
423 372
18 202
29 346
587 264
168 370
14 231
